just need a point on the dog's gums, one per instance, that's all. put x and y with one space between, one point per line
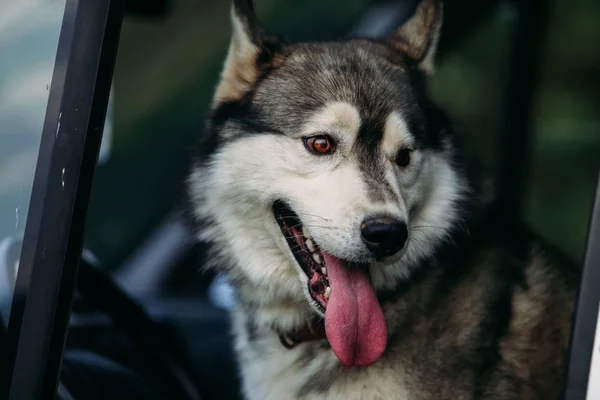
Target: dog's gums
307 254
354 321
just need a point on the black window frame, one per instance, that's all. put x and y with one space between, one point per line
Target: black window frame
53 239
34 342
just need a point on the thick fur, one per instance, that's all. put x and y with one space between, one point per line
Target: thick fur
476 306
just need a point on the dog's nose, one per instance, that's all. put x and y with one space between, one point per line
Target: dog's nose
384 236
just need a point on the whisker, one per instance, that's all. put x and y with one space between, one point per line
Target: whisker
428 226
313 215
412 239
308 225
320 226
420 231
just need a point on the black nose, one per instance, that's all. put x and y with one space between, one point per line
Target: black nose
384 236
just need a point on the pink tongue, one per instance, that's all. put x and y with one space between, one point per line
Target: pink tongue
354 321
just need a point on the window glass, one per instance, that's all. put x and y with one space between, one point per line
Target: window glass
29 31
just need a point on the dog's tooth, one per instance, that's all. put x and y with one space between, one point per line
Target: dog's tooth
310 245
324 270
288 340
317 258
305 233
327 293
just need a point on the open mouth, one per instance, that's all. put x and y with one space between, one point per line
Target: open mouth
307 253
354 322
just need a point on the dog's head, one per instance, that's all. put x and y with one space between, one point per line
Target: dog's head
330 173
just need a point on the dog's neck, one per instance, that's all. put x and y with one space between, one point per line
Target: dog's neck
313 330
291 319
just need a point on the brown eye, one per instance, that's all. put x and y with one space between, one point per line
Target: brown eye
404 157
320 144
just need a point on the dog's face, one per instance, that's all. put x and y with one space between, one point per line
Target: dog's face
330 168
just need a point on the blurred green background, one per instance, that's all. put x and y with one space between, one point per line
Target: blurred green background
565 162
167 69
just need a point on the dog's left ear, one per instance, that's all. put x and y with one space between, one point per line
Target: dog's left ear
418 37
250 52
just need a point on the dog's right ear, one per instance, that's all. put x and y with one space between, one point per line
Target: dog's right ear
249 53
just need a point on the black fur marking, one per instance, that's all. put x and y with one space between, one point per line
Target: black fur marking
244 10
251 330
318 383
309 352
368 148
492 329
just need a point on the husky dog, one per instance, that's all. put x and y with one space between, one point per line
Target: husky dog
369 257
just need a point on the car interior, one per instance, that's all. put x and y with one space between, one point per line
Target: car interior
146 321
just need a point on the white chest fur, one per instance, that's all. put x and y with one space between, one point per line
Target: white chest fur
269 371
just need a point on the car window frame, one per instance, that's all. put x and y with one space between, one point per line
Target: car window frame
53 239
585 319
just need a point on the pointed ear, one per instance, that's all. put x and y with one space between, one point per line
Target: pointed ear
248 51
418 37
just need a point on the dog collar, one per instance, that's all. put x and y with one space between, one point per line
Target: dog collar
308 333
